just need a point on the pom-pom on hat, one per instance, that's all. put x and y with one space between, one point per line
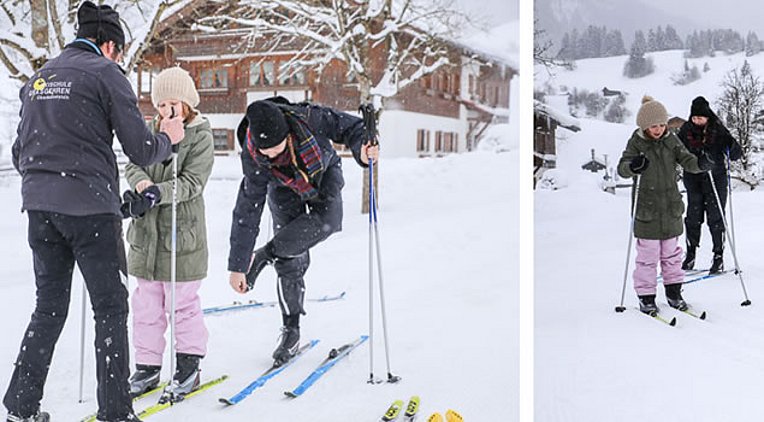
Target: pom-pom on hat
651 113
174 84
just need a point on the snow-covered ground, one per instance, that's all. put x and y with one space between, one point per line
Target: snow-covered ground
594 364
449 243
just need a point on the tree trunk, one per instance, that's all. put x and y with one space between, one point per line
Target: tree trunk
40 23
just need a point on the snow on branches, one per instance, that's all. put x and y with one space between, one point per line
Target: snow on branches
411 35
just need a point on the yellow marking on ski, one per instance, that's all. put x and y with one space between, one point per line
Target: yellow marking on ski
413 406
393 411
153 409
92 418
453 416
435 417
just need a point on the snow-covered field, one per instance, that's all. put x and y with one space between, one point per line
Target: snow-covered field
449 243
593 364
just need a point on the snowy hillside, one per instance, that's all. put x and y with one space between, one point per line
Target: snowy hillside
596 365
595 74
449 243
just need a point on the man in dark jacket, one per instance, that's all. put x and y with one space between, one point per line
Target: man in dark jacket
287 156
71 109
705 133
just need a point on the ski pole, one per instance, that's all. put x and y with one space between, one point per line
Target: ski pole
622 308
173 260
729 196
738 271
82 341
370 124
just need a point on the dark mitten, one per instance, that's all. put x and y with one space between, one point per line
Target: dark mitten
263 257
136 204
639 164
705 162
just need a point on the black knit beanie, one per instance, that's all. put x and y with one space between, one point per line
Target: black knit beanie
267 124
100 23
700 107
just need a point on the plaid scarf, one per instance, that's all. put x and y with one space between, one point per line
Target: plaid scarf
299 165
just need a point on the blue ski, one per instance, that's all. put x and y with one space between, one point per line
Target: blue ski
335 355
270 373
238 306
707 276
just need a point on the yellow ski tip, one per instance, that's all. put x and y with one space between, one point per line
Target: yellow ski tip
435 417
393 411
413 407
453 416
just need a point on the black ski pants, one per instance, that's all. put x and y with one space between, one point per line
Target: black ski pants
298 226
701 202
94 242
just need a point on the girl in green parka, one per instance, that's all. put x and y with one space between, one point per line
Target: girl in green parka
653 153
149 235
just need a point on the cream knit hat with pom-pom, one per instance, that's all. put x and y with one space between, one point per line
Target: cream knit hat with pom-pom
174 84
651 113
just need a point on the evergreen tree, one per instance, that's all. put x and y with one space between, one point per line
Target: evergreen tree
637 65
671 39
752 44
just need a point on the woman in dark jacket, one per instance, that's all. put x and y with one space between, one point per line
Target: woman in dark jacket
705 133
288 158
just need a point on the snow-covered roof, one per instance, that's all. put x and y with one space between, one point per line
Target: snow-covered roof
499 44
563 119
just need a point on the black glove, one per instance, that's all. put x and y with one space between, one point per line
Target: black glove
263 257
639 164
136 204
705 162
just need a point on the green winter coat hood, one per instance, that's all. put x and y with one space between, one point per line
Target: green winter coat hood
150 236
660 206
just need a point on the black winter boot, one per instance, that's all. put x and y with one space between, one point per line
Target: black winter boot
262 258
717 265
186 378
145 378
39 417
289 342
647 304
674 296
689 259
187 373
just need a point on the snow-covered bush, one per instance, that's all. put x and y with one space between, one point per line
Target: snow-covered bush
688 75
553 179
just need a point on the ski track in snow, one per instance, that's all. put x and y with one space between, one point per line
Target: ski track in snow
448 230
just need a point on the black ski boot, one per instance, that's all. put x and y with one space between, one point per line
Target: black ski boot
289 342
39 417
263 257
186 378
647 304
689 259
717 265
674 296
145 378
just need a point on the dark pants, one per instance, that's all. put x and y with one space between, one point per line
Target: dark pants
298 226
701 201
95 243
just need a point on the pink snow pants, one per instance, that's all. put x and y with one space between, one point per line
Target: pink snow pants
649 254
151 303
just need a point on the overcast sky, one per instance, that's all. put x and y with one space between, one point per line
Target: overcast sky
741 15
495 12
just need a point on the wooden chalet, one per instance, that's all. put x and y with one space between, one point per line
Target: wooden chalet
442 113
